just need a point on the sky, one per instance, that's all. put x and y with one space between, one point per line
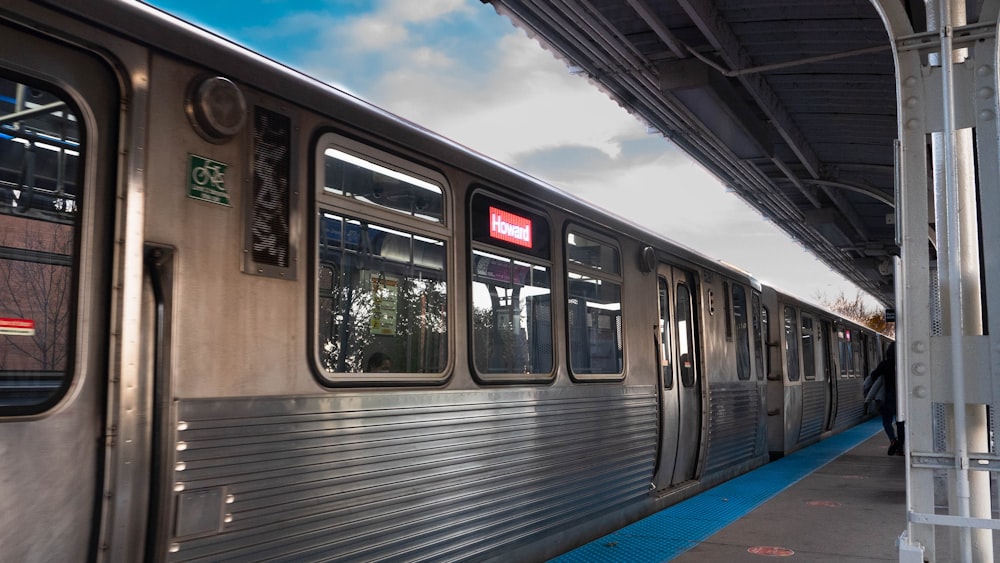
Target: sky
458 68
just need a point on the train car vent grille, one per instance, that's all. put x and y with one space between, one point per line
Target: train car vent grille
270 251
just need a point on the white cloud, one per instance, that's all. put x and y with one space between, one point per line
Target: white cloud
524 102
427 58
422 10
374 34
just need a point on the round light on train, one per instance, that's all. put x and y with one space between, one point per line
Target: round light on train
647 260
216 108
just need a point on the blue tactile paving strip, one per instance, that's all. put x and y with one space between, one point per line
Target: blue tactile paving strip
676 529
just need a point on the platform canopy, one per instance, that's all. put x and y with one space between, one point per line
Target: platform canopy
791 103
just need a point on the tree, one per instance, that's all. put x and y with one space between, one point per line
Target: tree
36 287
859 311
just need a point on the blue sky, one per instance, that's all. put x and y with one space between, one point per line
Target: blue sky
458 68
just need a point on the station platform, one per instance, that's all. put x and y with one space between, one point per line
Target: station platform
842 499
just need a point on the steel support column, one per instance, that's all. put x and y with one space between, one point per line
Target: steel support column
947 100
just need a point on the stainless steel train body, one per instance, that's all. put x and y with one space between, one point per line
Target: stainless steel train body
816 366
202 254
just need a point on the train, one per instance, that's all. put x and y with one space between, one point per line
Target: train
247 316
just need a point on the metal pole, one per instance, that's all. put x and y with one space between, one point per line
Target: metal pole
950 257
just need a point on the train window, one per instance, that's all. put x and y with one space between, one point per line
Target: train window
381 267
728 310
382 294
808 349
858 365
684 310
666 351
871 357
40 170
765 321
594 306
741 326
759 319
841 353
791 344
512 315
375 181
511 292
589 254
846 350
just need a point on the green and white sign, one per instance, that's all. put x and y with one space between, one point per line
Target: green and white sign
385 298
207 180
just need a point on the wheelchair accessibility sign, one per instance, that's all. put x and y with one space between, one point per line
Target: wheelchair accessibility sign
207 180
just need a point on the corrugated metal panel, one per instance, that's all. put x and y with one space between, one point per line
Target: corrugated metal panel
813 409
732 430
412 476
850 403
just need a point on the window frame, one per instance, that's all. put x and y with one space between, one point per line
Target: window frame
665 344
792 344
77 281
571 268
759 314
689 376
513 253
348 208
741 338
808 361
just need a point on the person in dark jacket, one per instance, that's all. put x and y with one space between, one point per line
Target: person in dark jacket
886 371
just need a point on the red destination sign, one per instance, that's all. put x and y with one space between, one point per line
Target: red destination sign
18 327
510 228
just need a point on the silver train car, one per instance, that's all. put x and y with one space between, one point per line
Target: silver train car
249 317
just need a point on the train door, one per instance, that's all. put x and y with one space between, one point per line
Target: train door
680 383
826 337
58 131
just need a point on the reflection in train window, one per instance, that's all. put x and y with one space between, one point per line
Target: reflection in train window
856 353
791 344
846 350
594 306
381 290
741 326
40 159
808 348
512 315
758 333
686 351
666 349
511 292
379 184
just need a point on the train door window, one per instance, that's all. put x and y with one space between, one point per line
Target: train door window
826 351
687 359
758 333
511 292
849 352
844 352
741 327
808 349
765 323
871 359
728 312
856 352
381 267
791 344
594 306
666 351
41 158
